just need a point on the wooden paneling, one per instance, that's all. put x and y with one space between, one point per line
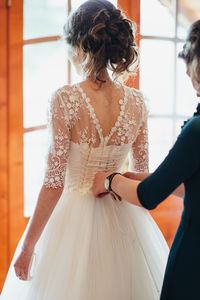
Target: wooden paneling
17 221
167 215
12 221
132 11
3 143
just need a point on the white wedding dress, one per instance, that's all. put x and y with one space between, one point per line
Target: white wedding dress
91 248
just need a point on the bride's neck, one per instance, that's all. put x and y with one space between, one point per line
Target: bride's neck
103 80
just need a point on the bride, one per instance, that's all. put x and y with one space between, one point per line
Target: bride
90 248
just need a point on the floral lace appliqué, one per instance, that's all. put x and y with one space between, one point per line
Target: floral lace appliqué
59 141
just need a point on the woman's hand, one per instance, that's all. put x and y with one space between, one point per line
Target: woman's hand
22 264
136 175
131 175
98 184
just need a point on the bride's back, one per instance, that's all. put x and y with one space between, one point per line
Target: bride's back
94 132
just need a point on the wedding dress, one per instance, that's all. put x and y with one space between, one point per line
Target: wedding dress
93 248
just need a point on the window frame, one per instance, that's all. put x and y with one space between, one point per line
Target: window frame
174 116
4 260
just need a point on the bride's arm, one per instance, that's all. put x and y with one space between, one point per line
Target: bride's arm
46 203
59 141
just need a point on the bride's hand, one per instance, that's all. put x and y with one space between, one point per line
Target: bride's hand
22 265
98 184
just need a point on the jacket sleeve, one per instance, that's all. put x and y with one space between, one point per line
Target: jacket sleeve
181 163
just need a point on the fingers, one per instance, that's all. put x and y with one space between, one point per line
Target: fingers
101 195
23 277
21 274
95 186
21 270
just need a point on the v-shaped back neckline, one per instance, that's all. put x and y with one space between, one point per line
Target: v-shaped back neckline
122 102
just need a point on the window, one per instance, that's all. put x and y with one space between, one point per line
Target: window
163 27
45 68
169 93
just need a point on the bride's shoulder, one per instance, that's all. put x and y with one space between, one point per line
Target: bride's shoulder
66 93
65 90
135 95
138 100
134 92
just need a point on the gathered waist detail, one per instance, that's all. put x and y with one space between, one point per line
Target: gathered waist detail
78 191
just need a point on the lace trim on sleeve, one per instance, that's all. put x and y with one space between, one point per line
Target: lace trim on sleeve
140 148
141 158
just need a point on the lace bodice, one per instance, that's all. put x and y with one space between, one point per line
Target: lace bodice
77 146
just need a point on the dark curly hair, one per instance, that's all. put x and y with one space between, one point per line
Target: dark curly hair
105 35
191 50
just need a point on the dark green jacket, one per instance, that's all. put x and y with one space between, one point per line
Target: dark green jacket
182 165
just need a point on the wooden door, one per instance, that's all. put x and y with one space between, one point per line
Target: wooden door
12 221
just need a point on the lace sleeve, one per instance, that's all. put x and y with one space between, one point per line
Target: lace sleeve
139 161
59 141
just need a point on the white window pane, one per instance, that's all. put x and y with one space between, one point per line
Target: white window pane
188 12
44 18
186 99
45 69
157 18
157 74
76 3
113 2
160 140
35 149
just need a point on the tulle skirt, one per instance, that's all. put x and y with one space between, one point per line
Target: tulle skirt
94 249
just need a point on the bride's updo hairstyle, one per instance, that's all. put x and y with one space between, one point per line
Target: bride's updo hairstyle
105 36
191 50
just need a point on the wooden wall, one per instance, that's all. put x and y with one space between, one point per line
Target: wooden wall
17 221
3 141
167 215
12 221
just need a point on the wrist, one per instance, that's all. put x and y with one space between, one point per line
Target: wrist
27 251
116 181
28 247
108 180
108 185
